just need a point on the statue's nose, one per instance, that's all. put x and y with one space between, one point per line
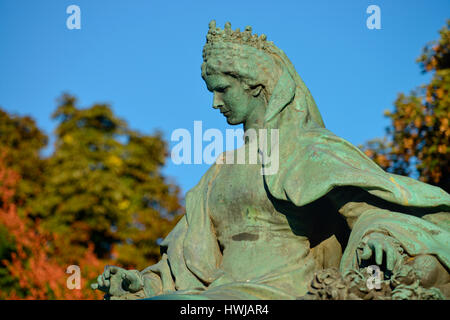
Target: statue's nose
217 101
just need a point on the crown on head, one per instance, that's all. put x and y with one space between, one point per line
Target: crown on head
216 35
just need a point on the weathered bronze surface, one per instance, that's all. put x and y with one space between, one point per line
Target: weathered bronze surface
309 230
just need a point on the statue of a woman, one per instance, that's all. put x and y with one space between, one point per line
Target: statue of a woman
251 234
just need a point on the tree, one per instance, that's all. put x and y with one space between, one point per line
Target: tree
419 134
32 271
24 141
20 144
103 184
99 199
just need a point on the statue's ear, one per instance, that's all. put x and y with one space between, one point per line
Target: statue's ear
282 95
255 91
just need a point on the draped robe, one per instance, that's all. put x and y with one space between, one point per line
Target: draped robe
326 196
252 236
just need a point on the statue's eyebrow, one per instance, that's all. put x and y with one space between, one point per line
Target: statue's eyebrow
212 87
216 83
232 74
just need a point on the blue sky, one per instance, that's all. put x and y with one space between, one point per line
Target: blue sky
144 57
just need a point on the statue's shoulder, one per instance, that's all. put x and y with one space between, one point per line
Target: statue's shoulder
323 139
209 174
320 149
330 161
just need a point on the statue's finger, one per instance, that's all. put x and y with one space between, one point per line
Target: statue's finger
105 281
135 283
94 286
378 254
107 272
113 269
128 276
390 257
100 281
367 253
116 288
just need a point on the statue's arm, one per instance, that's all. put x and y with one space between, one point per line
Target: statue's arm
158 279
171 272
383 236
118 283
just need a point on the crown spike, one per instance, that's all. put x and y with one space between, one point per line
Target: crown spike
227 29
227 35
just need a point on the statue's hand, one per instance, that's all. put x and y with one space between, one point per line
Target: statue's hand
378 244
117 282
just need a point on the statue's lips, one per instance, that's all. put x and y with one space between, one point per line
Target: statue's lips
225 112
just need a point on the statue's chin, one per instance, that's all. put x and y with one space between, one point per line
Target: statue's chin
233 122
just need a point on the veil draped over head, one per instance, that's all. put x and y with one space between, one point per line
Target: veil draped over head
247 56
290 89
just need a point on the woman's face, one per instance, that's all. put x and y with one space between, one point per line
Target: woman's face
230 97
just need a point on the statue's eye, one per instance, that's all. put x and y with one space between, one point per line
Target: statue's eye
222 89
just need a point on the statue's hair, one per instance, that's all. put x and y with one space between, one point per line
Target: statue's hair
255 61
251 66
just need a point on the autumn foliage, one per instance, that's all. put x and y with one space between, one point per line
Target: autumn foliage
38 274
98 199
418 138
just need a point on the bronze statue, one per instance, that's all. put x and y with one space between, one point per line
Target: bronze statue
311 229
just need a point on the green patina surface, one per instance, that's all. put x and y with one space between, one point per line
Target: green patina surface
327 211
